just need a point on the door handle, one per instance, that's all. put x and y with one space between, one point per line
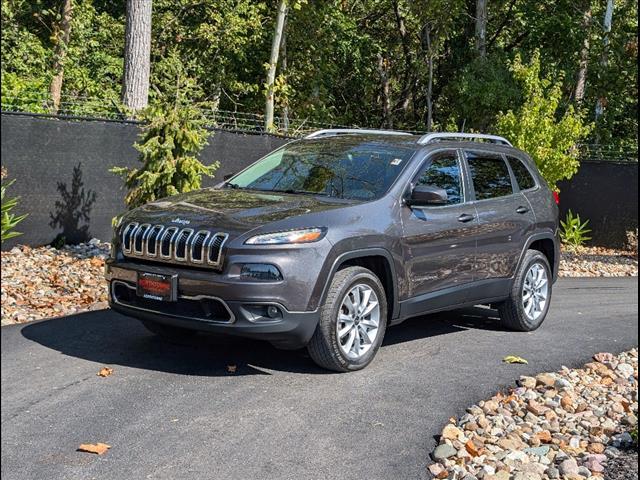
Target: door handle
465 217
522 210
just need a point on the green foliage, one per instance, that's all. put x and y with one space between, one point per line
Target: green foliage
574 232
170 140
332 54
540 128
634 435
9 220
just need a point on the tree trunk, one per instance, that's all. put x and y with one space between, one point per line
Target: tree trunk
408 90
430 57
285 107
606 27
62 33
481 27
137 55
383 70
273 64
581 81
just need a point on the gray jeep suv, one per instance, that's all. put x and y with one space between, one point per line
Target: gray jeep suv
328 240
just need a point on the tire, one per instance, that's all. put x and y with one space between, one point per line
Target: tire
325 348
169 333
513 311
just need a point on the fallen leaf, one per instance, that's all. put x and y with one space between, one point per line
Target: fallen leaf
232 368
96 262
105 372
514 359
99 448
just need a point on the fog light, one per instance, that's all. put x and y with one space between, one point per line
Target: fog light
260 272
273 311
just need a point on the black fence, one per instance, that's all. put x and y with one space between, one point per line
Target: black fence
61 171
62 178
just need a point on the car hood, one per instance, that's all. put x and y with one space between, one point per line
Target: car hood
231 211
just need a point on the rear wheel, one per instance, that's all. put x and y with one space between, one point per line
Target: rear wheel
352 322
528 304
169 332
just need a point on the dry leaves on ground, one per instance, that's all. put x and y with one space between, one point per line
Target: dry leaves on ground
105 372
98 448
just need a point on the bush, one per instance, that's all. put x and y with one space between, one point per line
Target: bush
632 241
535 128
169 141
574 231
9 220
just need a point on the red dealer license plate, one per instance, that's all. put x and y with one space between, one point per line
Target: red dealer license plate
156 286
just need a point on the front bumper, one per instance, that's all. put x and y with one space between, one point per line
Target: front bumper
239 307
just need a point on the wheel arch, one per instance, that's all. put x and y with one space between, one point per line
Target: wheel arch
380 262
547 244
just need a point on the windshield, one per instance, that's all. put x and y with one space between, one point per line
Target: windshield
343 168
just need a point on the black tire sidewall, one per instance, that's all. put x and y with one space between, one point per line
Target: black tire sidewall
330 314
532 257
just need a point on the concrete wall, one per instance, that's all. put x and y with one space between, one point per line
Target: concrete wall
61 171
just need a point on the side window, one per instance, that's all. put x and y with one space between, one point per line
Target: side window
444 172
490 175
522 174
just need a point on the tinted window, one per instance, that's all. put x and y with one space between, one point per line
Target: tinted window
343 167
490 176
523 177
444 172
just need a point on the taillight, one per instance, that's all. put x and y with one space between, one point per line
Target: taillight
556 197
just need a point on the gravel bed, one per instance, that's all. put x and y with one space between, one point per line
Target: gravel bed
598 262
570 425
44 282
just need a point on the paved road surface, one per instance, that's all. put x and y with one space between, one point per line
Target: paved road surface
174 412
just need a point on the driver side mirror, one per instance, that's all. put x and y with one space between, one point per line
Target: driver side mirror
423 195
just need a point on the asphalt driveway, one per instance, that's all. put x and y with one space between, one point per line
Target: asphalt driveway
175 412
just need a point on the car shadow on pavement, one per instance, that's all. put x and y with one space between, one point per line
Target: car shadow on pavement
107 337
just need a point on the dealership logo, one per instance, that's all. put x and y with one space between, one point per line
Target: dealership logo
181 221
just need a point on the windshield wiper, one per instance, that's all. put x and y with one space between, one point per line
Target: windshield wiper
303 192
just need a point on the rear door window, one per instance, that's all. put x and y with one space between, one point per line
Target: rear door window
489 174
521 172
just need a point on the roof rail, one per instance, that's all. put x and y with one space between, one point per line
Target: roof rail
431 137
348 131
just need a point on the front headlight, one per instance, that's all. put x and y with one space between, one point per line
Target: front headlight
306 235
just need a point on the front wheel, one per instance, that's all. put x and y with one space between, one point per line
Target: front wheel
352 322
528 303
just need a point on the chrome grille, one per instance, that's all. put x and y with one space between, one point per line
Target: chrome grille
173 244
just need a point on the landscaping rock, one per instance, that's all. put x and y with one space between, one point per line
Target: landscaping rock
564 425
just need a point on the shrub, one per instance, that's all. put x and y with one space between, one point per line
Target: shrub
538 127
9 220
574 231
632 241
173 134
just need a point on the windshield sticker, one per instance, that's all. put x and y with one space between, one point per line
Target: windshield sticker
396 161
